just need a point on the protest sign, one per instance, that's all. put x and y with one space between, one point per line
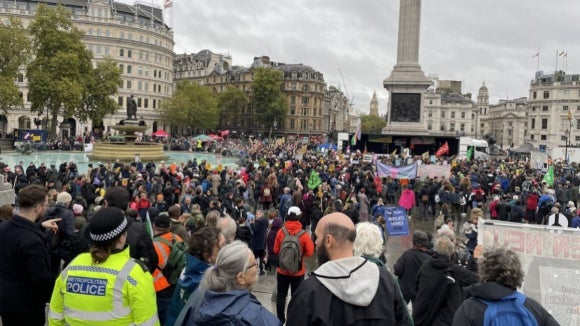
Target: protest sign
397 223
431 171
550 258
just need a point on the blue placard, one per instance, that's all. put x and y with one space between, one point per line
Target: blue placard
397 223
86 285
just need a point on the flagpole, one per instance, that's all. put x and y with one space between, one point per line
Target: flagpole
556 60
538 64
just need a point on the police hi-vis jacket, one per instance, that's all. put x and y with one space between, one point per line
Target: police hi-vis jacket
116 292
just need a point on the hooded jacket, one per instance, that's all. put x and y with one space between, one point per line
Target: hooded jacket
188 282
471 312
348 291
429 280
231 308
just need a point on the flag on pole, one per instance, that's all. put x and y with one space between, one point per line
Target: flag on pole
168 4
562 53
314 180
425 155
359 133
148 225
569 115
365 150
394 152
470 153
444 149
536 55
353 140
549 176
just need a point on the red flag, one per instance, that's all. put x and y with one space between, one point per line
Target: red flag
444 149
168 4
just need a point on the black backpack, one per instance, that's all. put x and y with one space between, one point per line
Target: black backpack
290 255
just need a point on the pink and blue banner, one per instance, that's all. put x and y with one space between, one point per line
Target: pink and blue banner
397 172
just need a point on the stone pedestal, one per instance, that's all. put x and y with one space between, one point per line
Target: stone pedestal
407 82
7 194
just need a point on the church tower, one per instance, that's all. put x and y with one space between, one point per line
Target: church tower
374 105
482 113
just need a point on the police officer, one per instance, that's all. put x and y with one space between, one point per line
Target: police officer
104 286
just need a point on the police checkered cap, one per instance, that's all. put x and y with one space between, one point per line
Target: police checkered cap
107 224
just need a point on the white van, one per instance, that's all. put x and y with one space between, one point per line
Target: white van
480 148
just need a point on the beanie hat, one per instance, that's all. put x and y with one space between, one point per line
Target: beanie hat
63 197
77 209
163 220
107 224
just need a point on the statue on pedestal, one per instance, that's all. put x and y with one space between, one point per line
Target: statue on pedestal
131 108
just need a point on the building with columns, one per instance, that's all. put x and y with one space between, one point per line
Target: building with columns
135 36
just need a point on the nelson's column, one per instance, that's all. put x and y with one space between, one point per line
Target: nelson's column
407 82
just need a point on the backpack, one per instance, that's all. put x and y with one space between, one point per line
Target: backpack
176 261
266 192
290 255
509 310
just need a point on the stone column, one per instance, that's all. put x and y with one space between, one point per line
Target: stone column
409 26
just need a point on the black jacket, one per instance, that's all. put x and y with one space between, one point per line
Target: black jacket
429 280
471 312
317 303
25 278
406 268
141 245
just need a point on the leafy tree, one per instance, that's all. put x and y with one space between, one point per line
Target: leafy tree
231 102
58 74
372 123
15 51
192 105
267 96
102 82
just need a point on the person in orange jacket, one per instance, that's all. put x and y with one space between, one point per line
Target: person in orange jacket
284 277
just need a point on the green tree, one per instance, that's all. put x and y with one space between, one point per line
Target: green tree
57 77
192 105
231 102
14 52
372 124
267 96
102 82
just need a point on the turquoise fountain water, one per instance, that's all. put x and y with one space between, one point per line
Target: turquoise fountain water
82 161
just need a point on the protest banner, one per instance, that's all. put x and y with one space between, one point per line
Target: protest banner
396 172
550 258
396 221
431 171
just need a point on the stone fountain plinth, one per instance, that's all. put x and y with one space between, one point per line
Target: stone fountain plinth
125 145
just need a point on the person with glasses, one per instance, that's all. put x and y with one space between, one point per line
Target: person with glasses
224 296
26 279
202 252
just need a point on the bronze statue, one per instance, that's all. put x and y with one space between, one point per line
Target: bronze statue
131 108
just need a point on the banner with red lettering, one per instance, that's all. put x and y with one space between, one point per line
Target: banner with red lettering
550 257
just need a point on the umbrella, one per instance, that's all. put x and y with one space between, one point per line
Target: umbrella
203 137
160 133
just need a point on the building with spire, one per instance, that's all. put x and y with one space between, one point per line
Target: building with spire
374 106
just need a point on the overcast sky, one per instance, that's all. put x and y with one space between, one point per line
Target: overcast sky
472 41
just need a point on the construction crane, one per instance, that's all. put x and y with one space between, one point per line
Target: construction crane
346 89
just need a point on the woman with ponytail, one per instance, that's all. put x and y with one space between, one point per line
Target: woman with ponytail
223 297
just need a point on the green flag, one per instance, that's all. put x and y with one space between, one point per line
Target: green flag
470 153
549 176
314 180
353 140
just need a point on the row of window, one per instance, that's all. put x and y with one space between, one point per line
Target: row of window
142 38
144 71
442 127
546 94
144 56
305 124
452 115
144 86
305 111
142 103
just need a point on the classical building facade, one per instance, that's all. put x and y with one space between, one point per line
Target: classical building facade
337 106
554 110
508 122
449 114
135 36
304 87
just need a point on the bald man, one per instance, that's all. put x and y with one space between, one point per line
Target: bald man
345 290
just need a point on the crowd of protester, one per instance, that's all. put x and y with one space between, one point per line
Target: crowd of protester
102 245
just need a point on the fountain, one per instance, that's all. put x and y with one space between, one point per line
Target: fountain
127 144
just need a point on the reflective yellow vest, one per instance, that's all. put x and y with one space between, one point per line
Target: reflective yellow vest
116 292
